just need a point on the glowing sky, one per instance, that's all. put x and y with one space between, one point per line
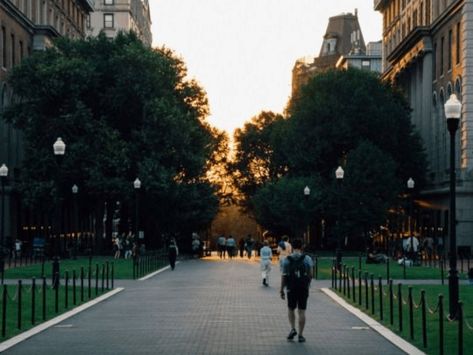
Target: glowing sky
242 51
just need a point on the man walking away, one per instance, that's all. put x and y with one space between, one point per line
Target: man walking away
296 278
284 250
173 252
266 256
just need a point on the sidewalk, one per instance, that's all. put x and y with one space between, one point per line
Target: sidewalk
206 307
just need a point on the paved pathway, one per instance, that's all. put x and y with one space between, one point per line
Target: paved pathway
206 307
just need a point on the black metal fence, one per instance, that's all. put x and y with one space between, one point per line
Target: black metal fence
38 300
372 296
145 264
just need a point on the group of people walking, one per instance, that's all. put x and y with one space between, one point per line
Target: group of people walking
228 247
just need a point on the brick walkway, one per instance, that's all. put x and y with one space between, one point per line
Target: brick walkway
206 307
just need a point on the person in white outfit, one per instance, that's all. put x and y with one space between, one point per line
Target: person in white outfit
284 250
266 255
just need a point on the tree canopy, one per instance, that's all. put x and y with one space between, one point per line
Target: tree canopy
124 111
347 118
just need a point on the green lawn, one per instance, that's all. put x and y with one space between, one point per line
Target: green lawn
123 269
395 270
432 320
27 305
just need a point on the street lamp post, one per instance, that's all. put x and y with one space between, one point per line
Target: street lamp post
3 177
75 191
306 196
453 109
339 173
59 148
137 186
410 186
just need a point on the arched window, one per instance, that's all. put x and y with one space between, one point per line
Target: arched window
458 86
449 89
442 97
434 99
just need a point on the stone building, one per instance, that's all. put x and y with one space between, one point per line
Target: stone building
342 37
427 52
111 16
371 60
27 25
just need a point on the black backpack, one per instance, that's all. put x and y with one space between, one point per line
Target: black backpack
298 276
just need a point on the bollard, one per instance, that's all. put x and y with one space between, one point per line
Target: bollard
103 278
4 311
441 330
19 304
460 327
33 300
55 265
411 314
344 273
391 305
442 276
56 295
399 303
424 319
66 291
353 283
387 271
89 282
366 291
359 287
334 278
113 275
44 298
340 278
74 290
96 279
81 284
380 286
107 274
372 293
348 282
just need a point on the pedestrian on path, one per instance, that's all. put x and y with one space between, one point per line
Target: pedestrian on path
266 257
284 250
296 277
221 245
231 247
173 252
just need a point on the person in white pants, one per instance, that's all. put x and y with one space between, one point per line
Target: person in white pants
266 255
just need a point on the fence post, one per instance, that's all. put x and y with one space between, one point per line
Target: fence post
74 290
441 332
442 276
460 327
108 274
96 279
372 293
366 291
66 291
340 278
89 282
82 284
411 314
44 298
334 278
316 265
391 316
348 282
380 286
4 311
33 300
399 302
19 303
344 273
403 266
388 277
113 275
56 293
353 283
359 288
424 318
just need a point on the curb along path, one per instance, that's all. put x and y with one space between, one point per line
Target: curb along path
206 307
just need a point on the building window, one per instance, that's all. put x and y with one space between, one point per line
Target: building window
458 87
450 44
13 54
21 50
427 12
4 47
87 21
449 89
108 20
457 43
109 2
442 40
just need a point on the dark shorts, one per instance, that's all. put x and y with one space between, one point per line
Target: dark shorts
297 299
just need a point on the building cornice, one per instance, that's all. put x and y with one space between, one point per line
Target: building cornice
20 18
446 15
89 5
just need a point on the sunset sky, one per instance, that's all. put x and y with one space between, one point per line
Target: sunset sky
242 51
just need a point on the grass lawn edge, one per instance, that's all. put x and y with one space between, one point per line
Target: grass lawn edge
375 325
43 326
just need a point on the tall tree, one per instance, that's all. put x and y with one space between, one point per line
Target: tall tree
124 111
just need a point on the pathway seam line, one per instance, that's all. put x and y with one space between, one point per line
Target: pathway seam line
43 326
378 327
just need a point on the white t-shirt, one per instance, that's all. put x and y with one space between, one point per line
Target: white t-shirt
285 252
